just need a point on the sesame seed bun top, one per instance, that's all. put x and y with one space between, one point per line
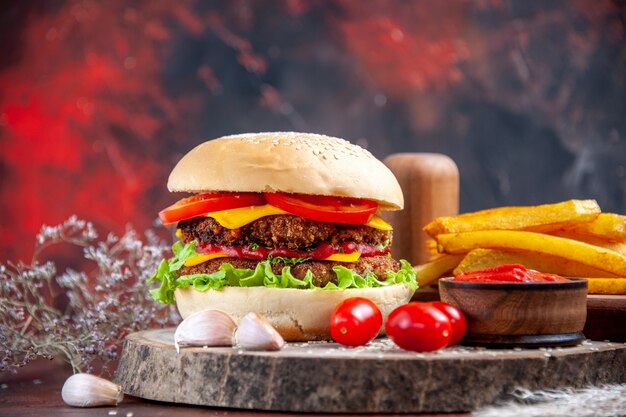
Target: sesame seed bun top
289 162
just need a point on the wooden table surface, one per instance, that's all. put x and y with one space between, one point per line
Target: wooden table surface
36 391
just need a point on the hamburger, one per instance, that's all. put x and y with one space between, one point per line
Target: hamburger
283 224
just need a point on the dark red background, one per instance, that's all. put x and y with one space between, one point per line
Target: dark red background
98 99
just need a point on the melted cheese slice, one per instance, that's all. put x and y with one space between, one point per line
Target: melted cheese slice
344 257
378 223
338 257
236 218
203 257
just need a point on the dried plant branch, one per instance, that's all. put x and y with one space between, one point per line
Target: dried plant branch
104 303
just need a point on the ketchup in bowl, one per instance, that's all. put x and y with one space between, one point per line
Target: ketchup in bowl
507 273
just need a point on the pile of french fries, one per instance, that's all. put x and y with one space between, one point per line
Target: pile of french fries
572 239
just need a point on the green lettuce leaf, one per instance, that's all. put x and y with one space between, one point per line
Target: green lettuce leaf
262 275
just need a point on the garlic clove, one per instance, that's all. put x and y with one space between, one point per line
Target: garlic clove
205 328
255 333
85 390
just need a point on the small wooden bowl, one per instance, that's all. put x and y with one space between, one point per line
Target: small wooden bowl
519 314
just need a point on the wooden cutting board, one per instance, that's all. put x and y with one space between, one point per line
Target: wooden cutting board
378 378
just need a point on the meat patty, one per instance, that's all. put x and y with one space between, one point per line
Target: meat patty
288 231
322 270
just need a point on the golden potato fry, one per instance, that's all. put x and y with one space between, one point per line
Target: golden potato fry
429 272
431 248
606 285
619 247
593 256
517 218
484 258
607 226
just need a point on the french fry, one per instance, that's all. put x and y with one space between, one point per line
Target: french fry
593 256
431 248
429 272
619 247
484 258
606 285
550 216
607 226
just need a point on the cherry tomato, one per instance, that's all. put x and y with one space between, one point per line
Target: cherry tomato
457 320
197 205
325 208
355 321
420 327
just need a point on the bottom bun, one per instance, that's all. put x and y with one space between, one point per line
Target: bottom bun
298 315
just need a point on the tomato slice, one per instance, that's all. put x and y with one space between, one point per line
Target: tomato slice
197 205
325 208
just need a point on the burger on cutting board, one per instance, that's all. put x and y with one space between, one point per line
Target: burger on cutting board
285 225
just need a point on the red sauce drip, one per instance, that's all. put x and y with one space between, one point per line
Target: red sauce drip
321 251
507 273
